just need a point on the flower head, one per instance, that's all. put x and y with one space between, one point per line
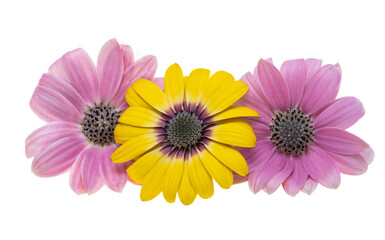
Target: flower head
181 138
301 132
82 104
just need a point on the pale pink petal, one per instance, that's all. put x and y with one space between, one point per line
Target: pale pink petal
48 134
258 156
77 68
65 89
278 178
259 178
110 69
310 186
312 66
114 175
342 113
339 141
159 81
239 179
76 181
321 167
295 182
261 130
350 164
273 85
294 73
143 68
368 155
90 169
128 56
58 157
50 106
322 88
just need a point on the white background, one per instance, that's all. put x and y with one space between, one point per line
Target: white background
228 35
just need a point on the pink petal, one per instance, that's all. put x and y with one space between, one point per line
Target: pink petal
259 178
342 113
58 157
310 186
339 141
278 178
114 175
259 155
273 85
322 88
294 73
65 89
90 169
50 106
350 164
321 167
110 69
295 182
159 81
239 179
312 66
76 181
368 155
46 135
77 68
261 130
128 56
143 68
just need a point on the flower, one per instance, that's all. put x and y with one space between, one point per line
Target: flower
301 133
181 138
82 104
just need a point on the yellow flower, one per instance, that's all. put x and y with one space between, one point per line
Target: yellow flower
181 139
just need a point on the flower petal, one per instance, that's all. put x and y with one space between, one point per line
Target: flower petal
368 155
128 55
259 155
278 178
195 84
159 81
200 178
273 85
90 169
52 106
76 181
312 66
114 175
124 132
46 135
350 164
173 178
295 182
339 141
186 191
110 69
174 85
321 88
310 186
321 167
342 113
58 157
228 156
235 112
141 117
143 68
77 68
294 73
235 132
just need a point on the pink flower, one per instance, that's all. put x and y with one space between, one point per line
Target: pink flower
82 104
301 133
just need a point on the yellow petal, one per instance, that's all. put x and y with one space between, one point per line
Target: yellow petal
134 147
221 173
133 99
124 132
234 112
172 179
235 132
195 83
141 117
228 156
200 178
216 81
174 85
138 170
153 182
186 191
152 94
225 96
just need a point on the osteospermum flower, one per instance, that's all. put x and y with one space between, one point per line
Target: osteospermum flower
181 138
301 132
82 104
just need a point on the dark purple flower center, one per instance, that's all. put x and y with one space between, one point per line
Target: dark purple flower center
291 131
184 130
99 123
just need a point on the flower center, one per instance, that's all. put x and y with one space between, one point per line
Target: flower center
99 123
291 131
184 130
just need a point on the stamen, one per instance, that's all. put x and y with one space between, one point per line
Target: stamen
292 131
99 123
184 130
